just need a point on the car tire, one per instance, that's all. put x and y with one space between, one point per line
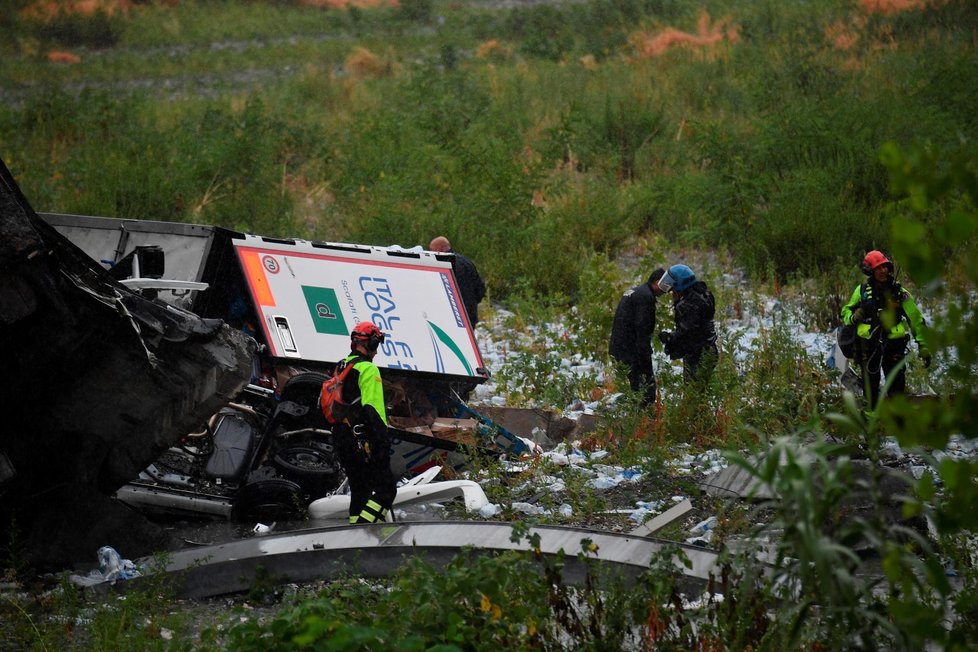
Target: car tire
269 499
304 388
315 470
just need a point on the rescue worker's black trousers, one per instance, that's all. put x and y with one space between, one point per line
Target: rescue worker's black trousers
876 359
698 367
372 485
642 379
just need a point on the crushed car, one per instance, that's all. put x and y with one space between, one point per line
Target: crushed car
268 452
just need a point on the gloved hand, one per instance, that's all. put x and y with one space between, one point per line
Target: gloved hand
859 315
665 337
925 357
672 352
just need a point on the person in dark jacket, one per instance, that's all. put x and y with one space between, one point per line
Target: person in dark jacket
631 335
470 283
885 316
694 339
362 442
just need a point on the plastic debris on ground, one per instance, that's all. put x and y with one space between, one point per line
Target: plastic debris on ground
702 532
111 567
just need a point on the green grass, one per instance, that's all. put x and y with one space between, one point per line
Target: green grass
566 167
765 146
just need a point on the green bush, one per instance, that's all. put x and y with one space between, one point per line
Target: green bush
100 29
542 30
806 228
416 10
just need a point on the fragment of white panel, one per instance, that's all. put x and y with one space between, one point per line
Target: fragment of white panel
436 492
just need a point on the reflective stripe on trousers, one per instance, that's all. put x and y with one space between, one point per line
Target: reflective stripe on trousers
371 513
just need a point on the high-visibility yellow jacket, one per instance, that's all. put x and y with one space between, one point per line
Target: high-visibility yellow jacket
367 383
890 312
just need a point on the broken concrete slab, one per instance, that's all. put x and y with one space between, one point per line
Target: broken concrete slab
656 523
86 520
734 482
102 379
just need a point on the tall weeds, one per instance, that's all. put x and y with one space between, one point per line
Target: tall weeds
764 147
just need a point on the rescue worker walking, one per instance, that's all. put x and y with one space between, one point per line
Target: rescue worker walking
362 442
695 336
882 311
631 335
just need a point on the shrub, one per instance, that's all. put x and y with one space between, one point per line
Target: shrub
419 11
99 29
542 30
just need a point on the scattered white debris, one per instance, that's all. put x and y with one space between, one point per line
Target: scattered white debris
527 508
644 509
704 526
535 448
744 329
111 567
490 510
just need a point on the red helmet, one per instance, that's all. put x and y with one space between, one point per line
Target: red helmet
367 333
873 260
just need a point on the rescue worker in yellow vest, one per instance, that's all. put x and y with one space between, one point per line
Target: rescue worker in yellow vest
883 311
363 444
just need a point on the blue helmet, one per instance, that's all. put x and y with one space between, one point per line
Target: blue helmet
678 279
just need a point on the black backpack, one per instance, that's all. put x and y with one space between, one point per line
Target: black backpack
846 337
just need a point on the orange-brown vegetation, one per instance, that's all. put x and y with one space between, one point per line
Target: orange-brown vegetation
63 57
364 63
492 48
47 9
841 36
891 6
588 62
708 34
343 4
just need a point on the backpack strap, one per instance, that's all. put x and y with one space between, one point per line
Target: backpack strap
348 362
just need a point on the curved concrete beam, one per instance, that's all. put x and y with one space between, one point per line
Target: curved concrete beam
377 550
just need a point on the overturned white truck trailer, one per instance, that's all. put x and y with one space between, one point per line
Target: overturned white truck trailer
299 300
302 298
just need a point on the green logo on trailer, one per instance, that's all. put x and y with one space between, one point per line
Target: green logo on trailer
325 310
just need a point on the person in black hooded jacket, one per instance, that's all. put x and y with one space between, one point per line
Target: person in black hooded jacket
631 335
695 338
470 283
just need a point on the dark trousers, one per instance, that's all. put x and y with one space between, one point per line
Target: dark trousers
877 358
699 366
370 475
642 380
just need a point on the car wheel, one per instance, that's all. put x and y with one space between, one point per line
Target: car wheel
269 500
303 388
313 469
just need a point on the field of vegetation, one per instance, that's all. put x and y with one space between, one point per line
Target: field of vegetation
568 148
